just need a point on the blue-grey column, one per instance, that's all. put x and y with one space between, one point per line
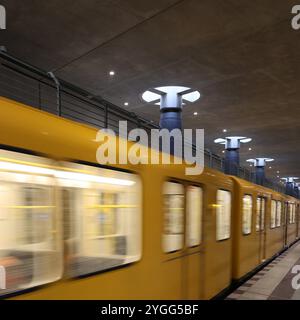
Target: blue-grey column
260 175
296 191
170 110
170 118
232 161
171 114
289 188
260 165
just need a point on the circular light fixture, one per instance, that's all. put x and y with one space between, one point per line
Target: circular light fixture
126 104
232 142
155 95
224 130
250 149
111 73
195 113
260 162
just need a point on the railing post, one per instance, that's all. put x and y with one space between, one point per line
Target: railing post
105 115
39 95
58 93
210 159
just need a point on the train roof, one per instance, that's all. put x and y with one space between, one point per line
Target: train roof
261 189
45 133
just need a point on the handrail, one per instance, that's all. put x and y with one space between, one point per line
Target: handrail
104 112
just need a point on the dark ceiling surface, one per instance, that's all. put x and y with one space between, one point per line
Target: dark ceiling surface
243 57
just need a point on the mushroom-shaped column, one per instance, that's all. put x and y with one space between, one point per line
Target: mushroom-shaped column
171 99
260 164
289 185
232 156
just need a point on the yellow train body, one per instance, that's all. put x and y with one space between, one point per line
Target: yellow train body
197 272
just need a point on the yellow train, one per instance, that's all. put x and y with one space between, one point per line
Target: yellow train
71 229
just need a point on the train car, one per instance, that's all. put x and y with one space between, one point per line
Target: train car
276 225
251 207
298 218
72 229
264 224
290 234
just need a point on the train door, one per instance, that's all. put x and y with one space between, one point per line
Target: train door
182 233
193 235
285 223
261 227
297 221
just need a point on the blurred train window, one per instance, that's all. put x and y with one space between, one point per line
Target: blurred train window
223 215
173 216
260 213
292 213
30 246
278 214
102 218
194 215
273 214
247 214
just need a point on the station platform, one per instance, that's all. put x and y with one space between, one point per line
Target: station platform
274 282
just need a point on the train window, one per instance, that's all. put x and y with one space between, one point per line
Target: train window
102 215
247 214
273 214
260 214
292 213
263 213
173 216
194 215
223 215
30 247
278 214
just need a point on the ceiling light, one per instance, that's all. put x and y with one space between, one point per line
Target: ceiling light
158 95
195 113
270 167
232 142
224 130
250 149
111 73
126 103
246 140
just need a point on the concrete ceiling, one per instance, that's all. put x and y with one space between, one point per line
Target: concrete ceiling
243 56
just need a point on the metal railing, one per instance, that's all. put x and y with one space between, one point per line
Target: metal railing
25 83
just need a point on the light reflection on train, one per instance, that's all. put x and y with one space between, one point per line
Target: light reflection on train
39 197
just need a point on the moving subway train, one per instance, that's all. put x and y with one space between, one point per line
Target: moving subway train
70 229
